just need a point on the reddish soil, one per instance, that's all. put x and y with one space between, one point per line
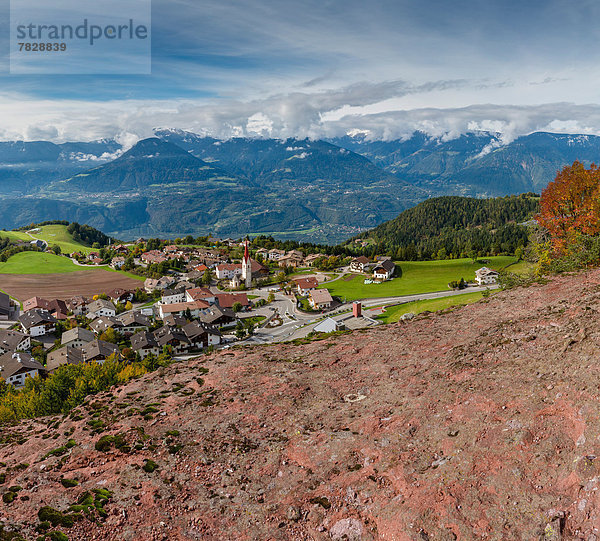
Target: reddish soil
482 423
64 286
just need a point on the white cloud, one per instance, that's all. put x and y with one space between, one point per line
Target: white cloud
259 124
298 114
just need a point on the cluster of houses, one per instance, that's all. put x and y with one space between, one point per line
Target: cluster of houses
318 299
184 320
198 259
293 258
382 269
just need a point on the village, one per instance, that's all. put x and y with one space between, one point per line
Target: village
196 300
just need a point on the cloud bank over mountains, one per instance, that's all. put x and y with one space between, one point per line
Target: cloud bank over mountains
313 115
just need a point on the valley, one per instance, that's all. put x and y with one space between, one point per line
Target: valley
180 183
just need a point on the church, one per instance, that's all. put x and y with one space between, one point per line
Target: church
250 268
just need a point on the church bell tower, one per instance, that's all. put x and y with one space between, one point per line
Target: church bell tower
247 268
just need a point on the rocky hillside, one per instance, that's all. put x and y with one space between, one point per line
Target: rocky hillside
479 423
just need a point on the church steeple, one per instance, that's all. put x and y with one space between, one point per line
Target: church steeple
247 267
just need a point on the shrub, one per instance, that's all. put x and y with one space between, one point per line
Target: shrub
104 443
51 515
43 526
68 483
57 536
85 499
150 466
59 451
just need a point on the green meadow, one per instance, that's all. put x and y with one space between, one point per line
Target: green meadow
417 277
38 263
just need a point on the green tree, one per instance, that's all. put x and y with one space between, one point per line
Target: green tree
240 331
207 277
110 335
237 307
519 253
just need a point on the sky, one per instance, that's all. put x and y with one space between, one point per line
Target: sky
324 68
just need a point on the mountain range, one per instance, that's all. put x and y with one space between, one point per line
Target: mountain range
325 191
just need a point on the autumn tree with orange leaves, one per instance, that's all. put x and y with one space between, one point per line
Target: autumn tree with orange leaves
570 205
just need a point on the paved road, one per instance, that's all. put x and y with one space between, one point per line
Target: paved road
301 324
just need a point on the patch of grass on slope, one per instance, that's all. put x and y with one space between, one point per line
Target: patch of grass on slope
417 277
58 234
38 263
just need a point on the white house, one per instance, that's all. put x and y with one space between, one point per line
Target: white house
200 294
202 335
77 337
320 299
37 322
226 271
305 285
384 270
172 296
133 322
101 307
144 344
485 276
13 341
180 308
150 284
276 255
117 262
359 264
16 367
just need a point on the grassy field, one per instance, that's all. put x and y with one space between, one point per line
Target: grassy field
417 277
38 263
15 235
58 234
45 263
52 234
393 313
521 267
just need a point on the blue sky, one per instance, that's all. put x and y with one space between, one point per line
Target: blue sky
322 68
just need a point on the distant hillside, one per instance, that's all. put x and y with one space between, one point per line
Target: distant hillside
151 162
477 164
28 166
242 186
307 190
455 225
273 161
